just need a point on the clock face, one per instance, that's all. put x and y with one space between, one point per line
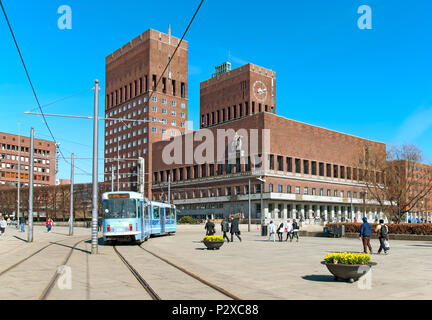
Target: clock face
260 90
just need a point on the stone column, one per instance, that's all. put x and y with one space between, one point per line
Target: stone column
326 213
302 212
339 214
332 213
318 213
346 214
293 211
285 211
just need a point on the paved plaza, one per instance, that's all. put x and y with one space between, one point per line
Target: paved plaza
251 269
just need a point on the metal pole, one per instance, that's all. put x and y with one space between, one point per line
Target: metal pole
71 214
112 178
94 249
118 165
249 222
144 174
262 205
31 177
19 176
169 188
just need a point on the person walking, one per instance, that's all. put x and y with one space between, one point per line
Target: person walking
382 231
235 229
100 224
48 224
210 227
22 223
280 231
295 230
225 228
272 231
3 225
365 234
289 229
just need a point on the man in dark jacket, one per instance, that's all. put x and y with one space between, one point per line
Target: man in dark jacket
210 227
235 229
365 234
225 228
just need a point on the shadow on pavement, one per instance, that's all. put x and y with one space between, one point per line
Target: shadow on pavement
319 278
71 247
421 245
20 239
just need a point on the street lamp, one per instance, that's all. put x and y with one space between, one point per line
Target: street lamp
262 201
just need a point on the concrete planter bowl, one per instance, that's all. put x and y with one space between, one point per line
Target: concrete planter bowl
348 272
213 245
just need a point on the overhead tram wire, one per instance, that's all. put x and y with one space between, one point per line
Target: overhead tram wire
62 99
29 79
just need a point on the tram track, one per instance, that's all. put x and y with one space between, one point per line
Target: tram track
28 257
139 278
193 275
53 281
152 292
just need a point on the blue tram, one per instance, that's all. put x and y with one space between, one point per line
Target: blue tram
128 216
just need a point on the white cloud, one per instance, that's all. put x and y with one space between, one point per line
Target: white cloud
415 125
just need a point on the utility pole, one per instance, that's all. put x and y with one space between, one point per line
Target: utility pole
169 188
94 247
118 165
19 174
31 177
71 214
112 178
249 198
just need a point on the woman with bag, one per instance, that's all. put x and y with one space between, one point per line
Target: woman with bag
280 231
382 231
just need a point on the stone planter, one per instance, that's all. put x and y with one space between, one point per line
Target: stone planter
348 272
213 245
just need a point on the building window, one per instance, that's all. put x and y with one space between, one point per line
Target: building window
297 165
280 188
270 187
289 164
297 190
306 190
306 166
289 189
280 163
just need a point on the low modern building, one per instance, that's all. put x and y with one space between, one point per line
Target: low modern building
11 150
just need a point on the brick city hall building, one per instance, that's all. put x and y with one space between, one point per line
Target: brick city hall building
295 170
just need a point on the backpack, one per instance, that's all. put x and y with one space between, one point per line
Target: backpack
384 231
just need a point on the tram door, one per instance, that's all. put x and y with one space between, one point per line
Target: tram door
142 209
162 220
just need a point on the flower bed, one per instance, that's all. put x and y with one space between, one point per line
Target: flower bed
213 239
348 258
402 228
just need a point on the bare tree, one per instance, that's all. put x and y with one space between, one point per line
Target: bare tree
399 182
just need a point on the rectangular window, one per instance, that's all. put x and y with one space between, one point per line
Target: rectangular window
335 171
297 190
271 164
314 168
270 187
289 164
342 172
289 189
280 163
321 169
280 188
306 166
173 87
297 165
154 82
328 170
183 90
306 190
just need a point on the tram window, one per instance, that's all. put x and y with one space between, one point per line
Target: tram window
119 208
139 209
156 212
147 212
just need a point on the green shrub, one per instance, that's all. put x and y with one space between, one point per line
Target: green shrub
187 220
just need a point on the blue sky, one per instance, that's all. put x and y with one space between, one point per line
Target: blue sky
374 83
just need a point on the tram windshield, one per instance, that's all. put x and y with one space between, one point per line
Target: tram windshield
119 208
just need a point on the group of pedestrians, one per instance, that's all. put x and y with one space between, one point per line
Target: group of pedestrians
227 226
290 228
382 232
